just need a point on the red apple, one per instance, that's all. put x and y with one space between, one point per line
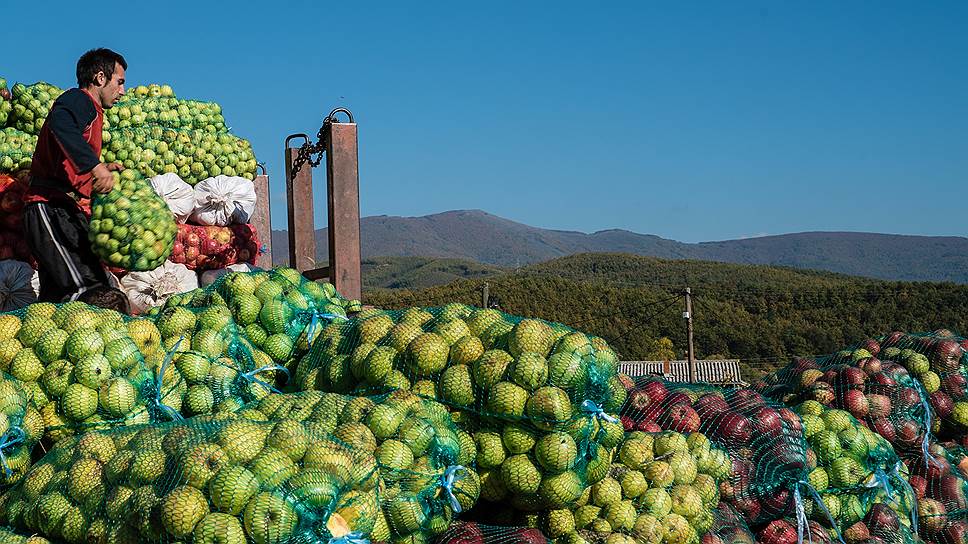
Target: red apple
675 398
871 346
711 538
529 536
682 418
870 365
745 399
952 493
956 532
856 403
829 376
792 420
942 403
932 515
463 532
892 339
767 421
878 405
776 503
627 423
954 385
778 532
656 391
908 397
733 428
884 428
749 507
648 427
919 485
908 432
947 353
857 533
883 379
853 377
881 515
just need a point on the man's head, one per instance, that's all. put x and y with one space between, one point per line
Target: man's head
101 73
103 296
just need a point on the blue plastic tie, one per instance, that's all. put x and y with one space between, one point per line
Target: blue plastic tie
926 441
168 410
908 492
451 475
802 523
263 249
251 376
314 322
14 435
354 537
592 408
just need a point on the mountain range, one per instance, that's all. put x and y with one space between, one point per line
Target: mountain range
478 236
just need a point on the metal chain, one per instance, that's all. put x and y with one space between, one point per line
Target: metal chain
309 150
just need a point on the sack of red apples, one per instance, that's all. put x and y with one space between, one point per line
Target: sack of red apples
202 248
13 245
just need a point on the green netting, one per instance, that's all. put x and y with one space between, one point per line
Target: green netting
131 226
232 481
16 148
205 364
79 365
782 462
9 535
535 396
20 429
880 392
31 103
938 478
426 463
194 154
273 308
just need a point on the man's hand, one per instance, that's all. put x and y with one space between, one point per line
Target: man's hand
103 179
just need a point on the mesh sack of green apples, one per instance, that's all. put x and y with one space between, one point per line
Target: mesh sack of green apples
881 392
9 535
194 155
206 364
16 149
274 309
230 480
761 439
6 106
20 429
426 463
31 103
131 226
81 366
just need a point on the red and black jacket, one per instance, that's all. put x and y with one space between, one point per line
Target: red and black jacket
68 148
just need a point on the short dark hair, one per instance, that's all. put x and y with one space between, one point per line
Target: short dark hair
97 60
103 296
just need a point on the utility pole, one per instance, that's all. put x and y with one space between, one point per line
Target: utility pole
485 295
690 350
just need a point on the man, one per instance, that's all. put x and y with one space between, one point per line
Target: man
66 169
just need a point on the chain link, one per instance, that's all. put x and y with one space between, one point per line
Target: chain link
312 153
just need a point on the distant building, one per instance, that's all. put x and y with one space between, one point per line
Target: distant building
717 371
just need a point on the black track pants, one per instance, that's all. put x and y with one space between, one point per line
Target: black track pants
57 237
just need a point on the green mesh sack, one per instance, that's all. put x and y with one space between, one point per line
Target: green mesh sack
206 364
426 463
938 478
193 154
198 481
878 391
20 429
274 309
939 363
79 365
9 535
16 148
405 432
761 441
31 104
131 226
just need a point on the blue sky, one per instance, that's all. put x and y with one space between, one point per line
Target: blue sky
693 121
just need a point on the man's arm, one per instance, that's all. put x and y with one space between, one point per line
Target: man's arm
71 114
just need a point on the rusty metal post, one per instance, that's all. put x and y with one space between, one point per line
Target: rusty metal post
299 200
343 184
262 218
